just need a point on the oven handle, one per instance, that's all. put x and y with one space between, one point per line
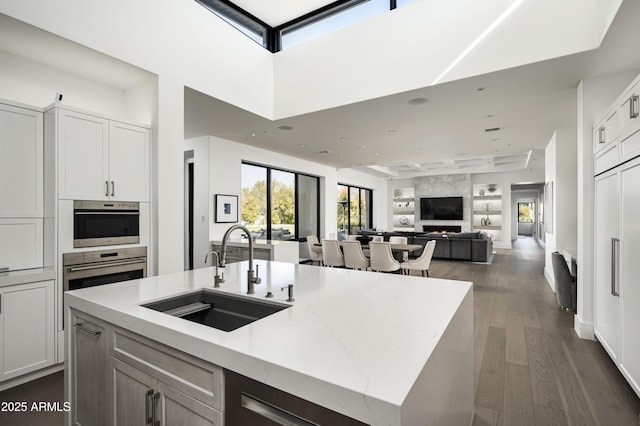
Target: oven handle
102 212
106 265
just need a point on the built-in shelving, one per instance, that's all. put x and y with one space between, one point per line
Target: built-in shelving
403 209
487 210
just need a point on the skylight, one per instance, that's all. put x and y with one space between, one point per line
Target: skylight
329 18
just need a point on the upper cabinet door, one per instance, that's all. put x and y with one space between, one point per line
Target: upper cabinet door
83 156
21 167
128 162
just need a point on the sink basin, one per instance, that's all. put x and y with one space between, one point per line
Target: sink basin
223 311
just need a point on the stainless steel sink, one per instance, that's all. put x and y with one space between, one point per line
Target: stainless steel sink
223 311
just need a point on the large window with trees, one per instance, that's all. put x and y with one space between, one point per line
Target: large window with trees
354 209
279 204
526 212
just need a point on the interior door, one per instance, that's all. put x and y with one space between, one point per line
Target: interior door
607 234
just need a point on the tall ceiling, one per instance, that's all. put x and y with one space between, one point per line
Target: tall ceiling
494 122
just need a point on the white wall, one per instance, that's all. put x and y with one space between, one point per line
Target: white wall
370 63
225 158
562 170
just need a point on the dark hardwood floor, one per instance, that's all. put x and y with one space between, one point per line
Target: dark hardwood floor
530 367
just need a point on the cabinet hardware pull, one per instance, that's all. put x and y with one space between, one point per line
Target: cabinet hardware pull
148 407
615 244
106 182
83 328
113 188
601 134
100 266
633 106
156 397
271 412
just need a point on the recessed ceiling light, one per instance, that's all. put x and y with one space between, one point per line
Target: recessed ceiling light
418 148
343 138
253 134
362 146
301 144
481 89
284 127
418 101
391 131
490 115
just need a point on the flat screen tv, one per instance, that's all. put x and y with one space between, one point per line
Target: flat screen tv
441 208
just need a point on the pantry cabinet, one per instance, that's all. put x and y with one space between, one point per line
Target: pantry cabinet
100 159
21 162
617 237
27 331
21 243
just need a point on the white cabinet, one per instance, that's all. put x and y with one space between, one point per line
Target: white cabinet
607 130
617 236
21 243
26 328
101 159
607 315
21 162
630 271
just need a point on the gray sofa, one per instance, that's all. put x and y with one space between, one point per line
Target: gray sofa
471 246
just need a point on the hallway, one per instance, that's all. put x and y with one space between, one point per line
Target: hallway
530 367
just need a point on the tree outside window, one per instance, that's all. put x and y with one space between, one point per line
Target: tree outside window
525 212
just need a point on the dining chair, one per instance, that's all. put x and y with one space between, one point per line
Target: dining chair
377 238
353 255
394 239
421 263
352 237
381 257
402 256
315 251
331 254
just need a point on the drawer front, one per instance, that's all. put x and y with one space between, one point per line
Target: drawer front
630 146
201 380
606 159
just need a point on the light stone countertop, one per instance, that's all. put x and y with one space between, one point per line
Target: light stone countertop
355 342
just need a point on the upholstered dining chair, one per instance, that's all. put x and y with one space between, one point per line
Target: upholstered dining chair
352 237
314 251
331 254
377 238
422 263
395 239
566 285
381 257
353 255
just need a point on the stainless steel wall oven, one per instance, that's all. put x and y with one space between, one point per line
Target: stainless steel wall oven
92 268
100 223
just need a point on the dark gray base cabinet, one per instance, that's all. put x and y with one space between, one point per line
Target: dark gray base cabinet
248 402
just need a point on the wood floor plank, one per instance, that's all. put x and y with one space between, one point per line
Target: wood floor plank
489 392
544 384
483 416
516 345
518 401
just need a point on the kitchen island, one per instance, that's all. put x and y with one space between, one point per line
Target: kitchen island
382 349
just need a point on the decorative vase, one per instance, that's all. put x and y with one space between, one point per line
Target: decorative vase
483 222
487 221
481 192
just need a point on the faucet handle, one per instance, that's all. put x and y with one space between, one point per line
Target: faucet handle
257 270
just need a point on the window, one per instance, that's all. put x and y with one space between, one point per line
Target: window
326 19
525 212
287 210
354 209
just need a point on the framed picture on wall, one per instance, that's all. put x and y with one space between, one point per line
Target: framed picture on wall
226 207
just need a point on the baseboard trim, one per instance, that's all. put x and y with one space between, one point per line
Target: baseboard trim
30 377
584 330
